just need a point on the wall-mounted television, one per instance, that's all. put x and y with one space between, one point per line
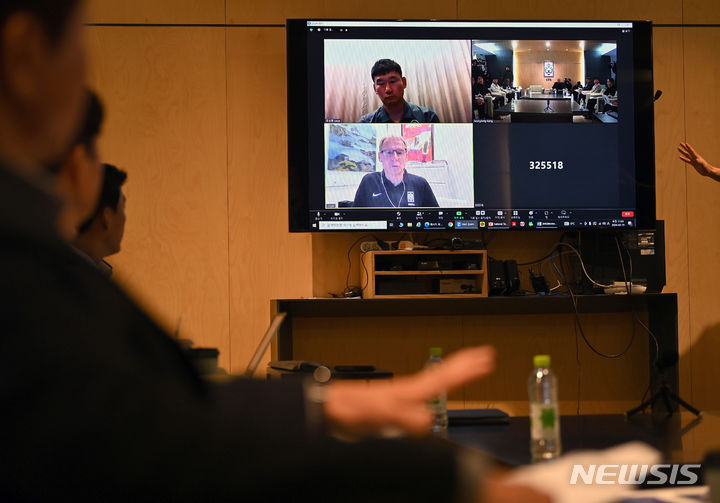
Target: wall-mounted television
468 125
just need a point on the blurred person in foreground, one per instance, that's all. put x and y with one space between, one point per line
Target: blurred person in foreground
101 405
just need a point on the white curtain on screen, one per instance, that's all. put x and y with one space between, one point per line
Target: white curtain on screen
437 72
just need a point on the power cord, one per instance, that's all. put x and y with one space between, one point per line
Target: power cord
355 290
628 286
576 313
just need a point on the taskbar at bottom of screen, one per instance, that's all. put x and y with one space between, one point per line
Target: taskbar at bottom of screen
384 225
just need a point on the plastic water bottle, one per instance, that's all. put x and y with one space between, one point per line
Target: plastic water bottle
544 413
438 404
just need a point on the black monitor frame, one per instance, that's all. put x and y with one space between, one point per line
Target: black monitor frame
298 113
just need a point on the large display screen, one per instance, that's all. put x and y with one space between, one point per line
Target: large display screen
433 125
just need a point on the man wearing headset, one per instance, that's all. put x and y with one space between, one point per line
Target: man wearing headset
394 187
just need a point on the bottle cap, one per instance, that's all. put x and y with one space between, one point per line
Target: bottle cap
435 351
541 361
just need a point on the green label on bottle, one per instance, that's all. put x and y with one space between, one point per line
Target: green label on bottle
544 421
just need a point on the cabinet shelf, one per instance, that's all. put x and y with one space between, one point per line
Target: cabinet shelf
425 274
430 273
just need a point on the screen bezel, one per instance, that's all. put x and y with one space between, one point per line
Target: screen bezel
298 113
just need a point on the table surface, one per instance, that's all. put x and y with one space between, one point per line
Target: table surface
543 96
681 438
538 107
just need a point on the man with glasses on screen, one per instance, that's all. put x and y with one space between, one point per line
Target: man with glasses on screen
390 85
394 187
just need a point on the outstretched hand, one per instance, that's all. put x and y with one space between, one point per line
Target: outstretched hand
401 404
688 155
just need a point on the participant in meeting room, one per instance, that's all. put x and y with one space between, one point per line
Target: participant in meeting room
101 235
690 156
609 94
389 84
481 92
476 104
114 386
394 186
480 88
497 90
507 76
596 88
558 85
578 93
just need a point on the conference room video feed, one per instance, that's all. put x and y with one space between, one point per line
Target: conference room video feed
544 81
408 165
374 81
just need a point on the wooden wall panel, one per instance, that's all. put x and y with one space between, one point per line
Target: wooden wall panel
266 262
702 72
701 12
661 11
207 210
243 12
671 179
164 90
530 67
156 11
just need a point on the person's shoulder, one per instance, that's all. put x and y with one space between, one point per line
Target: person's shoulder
427 114
370 178
372 175
416 180
376 116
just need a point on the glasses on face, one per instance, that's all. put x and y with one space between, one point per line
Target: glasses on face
398 152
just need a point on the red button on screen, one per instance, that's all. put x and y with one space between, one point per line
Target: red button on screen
628 213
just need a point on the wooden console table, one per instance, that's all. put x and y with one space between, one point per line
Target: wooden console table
661 312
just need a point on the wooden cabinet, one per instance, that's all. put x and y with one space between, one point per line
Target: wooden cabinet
425 274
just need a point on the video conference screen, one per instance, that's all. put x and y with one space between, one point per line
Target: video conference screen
404 125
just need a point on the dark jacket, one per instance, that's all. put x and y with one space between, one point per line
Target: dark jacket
411 113
507 75
481 89
99 404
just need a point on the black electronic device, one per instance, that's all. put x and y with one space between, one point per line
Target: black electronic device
497 283
640 252
512 277
319 372
539 284
529 164
462 417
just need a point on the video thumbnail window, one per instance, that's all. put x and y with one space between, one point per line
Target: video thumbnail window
566 81
399 166
424 81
